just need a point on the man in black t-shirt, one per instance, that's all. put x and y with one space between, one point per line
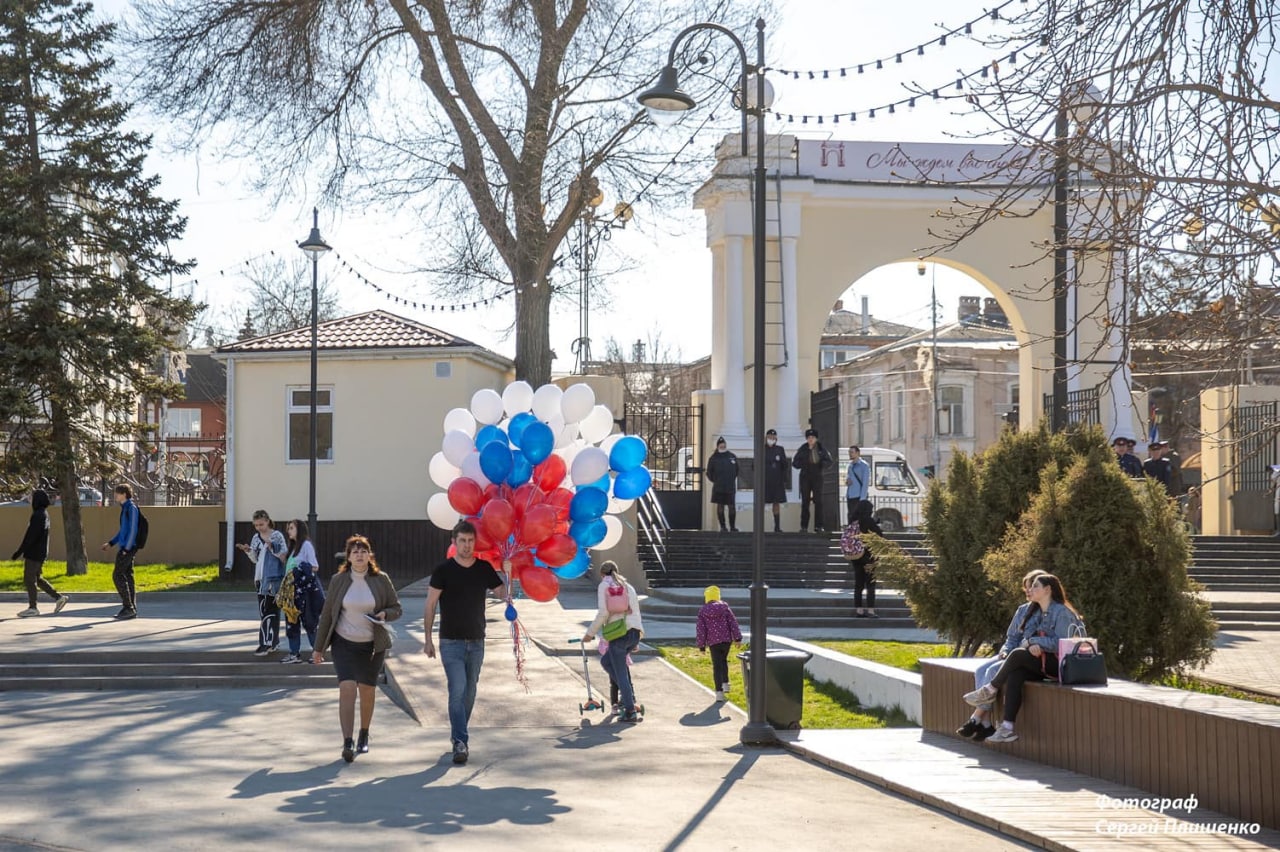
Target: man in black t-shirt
459 586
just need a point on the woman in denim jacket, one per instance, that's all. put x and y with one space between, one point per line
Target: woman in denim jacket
1048 618
268 550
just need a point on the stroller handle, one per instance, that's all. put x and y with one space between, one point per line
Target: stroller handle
575 641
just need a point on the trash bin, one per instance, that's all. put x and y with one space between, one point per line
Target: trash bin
783 685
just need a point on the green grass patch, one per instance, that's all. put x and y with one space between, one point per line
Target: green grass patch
155 577
900 655
825 705
1192 684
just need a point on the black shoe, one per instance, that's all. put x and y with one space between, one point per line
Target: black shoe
348 749
460 752
984 732
362 743
733 529
126 614
723 528
820 530
629 718
969 728
777 527
261 651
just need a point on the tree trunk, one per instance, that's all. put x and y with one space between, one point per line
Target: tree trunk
65 475
533 333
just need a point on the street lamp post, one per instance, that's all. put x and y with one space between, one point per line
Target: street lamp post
592 228
933 384
1059 412
665 101
314 245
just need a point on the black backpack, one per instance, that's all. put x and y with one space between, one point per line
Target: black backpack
140 540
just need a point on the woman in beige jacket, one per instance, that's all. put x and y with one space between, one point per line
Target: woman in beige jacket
361 601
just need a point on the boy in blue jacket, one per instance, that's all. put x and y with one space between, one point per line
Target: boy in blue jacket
127 540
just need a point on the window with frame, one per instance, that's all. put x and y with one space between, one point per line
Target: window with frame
899 412
951 410
298 412
878 407
181 422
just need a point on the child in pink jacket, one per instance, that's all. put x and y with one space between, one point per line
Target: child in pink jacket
717 629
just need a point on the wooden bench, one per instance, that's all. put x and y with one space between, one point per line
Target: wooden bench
1169 742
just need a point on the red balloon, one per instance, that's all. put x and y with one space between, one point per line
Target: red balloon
539 583
526 497
550 473
451 552
466 495
493 557
492 491
562 527
498 520
557 550
539 522
483 542
520 560
560 499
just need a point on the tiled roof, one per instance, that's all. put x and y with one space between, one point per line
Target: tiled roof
847 323
372 330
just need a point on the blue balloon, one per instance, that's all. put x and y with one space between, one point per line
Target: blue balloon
603 483
627 453
537 442
575 567
588 504
510 613
588 533
521 470
495 461
488 434
518 424
632 484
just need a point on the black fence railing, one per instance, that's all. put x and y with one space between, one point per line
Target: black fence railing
1083 406
1255 429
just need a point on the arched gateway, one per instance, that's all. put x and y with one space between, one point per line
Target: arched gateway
838 210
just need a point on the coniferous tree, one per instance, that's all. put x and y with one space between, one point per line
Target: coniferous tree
82 235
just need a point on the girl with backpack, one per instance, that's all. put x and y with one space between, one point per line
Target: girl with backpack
301 597
861 560
618 621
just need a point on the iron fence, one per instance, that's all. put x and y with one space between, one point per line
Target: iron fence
1083 406
1255 429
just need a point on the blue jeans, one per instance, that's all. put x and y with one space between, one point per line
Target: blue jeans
983 675
614 662
462 660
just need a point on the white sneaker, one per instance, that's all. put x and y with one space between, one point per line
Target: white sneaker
719 695
62 601
1003 735
291 658
980 696
29 612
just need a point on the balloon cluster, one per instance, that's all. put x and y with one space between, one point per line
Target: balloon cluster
540 476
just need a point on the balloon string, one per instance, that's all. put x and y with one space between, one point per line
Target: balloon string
518 638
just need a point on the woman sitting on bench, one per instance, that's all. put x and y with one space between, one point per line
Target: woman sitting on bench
1049 617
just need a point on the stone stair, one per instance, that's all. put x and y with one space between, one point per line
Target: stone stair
789 611
136 670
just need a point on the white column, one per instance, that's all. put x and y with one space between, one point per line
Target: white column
229 464
1119 419
788 402
718 335
735 383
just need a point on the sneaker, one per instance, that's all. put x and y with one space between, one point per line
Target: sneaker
261 651
615 709
983 733
733 529
629 718
871 614
348 749
724 529
29 612
362 743
61 602
460 752
291 658
980 696
1003 735
820 530
126 614
859 614
969 728
720 695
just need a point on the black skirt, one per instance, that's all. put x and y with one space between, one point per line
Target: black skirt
356 660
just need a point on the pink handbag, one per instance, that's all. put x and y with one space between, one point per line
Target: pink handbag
616 600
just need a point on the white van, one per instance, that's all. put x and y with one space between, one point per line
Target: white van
895 494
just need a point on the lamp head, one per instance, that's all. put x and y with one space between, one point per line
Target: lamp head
666 100
920 267
314 245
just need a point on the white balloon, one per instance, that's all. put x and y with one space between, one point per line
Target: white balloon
461 420
442 471
608 442
517 397
618 506
486 405
456 446
597 425
589 465
471 469
546 402
566 435
441 513
577 402
612 533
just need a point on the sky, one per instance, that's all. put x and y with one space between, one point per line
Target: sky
664 290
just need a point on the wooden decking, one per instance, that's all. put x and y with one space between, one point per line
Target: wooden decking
1167 742
1043 806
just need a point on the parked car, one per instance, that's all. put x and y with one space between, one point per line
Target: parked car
895 492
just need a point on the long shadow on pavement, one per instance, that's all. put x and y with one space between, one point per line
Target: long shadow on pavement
712 715
734 775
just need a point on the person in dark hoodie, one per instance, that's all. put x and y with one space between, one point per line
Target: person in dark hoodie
34 550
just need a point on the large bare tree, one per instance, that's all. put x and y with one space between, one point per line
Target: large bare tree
490 118
1171 151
